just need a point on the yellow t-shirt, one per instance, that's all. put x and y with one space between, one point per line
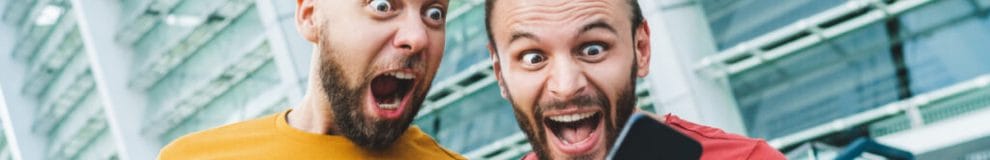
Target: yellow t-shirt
271 137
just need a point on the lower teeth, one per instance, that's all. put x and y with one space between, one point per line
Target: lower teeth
392 105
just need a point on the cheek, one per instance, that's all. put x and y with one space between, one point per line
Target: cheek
525 110
525 87
612 75
354 52
436 49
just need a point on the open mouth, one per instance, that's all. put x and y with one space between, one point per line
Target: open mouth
390 92
575 133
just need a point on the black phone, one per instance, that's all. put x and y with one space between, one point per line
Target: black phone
646 138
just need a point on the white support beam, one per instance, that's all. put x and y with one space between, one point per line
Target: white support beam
942 134
272 100
498 145
44 71
802 34
70 148
165 61
194 100
891 109
15 113
142 20
31 14
17 128
466 82
57 37
111 66
281 52
55 111
680 36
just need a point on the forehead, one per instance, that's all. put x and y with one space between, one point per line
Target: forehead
337 3
526 14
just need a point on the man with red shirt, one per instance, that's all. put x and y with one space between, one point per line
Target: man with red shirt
569 69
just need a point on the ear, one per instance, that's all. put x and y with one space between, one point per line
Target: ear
497 67
642 48
304 20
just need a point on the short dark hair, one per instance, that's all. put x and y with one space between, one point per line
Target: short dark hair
637 18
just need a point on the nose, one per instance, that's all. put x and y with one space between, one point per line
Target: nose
567 79
411 37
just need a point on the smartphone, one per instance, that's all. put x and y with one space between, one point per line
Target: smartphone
646 138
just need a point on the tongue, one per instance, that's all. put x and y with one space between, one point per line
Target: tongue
384 86
576 134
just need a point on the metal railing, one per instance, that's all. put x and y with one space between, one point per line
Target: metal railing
196 99
909 107
161 62
470 80
802 34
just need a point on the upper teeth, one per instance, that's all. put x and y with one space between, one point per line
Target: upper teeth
571 117
401 75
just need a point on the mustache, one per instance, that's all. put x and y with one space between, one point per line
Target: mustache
581 101
414 62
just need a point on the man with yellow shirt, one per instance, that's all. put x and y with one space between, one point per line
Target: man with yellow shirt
371 68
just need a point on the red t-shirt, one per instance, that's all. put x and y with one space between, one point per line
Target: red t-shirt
716 144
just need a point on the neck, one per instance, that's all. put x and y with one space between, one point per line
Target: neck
314 113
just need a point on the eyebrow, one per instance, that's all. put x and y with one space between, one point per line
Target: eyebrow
438 1
517 35
598 25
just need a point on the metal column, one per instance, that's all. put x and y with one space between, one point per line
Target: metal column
285 43
680 37
17 116
111 68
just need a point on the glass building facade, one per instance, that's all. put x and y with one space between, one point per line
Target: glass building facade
118 79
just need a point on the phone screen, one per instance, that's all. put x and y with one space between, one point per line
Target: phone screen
646 138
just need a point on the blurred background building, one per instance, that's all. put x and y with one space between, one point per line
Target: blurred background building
118 79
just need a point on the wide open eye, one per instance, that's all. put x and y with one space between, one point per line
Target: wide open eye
592 49
532 58
435 14
381 5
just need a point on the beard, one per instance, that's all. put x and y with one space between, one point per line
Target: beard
625 105
350 119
